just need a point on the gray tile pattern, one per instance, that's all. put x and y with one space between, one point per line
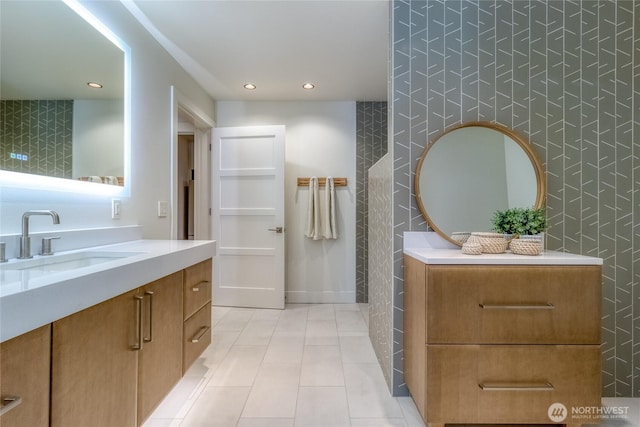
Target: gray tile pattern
566 75
380 272
40 129
371 145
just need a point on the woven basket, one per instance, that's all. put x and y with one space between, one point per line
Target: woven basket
494 246
472 248
492 243
460 236
526 246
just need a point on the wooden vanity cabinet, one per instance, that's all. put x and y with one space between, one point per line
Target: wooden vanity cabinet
94 372
25 374
499 344
113 363
197 312
160 360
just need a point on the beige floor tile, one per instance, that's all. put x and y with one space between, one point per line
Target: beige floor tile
265 422
217 406
357 349
275 392
367 392
321 312
346 307
322 407
217 313
180 398
162 422
321 332
316 368
239 367
378 422
411 413
350 321
285 349
292 323
266 314
257 332
235 320
322 366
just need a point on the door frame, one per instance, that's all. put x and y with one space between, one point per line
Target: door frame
203 125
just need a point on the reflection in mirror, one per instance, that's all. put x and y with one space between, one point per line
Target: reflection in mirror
471 171
51 122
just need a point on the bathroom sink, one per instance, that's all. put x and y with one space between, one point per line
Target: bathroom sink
65 262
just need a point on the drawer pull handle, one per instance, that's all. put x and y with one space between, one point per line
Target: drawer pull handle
517 387
9 403
150 295
196 288
544 306
139 324
196 338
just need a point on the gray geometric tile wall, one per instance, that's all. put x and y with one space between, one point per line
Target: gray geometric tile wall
379 263
371 145
41 130
566 76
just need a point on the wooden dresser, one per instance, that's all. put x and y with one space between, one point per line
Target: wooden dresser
490 343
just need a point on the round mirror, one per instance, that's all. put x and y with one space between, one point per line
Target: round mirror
473 170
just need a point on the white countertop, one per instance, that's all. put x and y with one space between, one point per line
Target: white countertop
455 256
30 301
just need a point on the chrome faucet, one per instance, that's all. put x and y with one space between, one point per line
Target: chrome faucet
25 240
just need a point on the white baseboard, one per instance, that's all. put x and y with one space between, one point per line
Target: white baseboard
320 297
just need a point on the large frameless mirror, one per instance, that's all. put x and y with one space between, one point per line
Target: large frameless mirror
473 170
55 122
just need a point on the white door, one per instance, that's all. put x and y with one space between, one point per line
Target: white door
248 194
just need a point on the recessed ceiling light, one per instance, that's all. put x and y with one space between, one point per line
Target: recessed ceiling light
94 85
308 86
249 86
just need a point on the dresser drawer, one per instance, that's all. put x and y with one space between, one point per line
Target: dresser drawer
509 384
513 304
197 287
197 336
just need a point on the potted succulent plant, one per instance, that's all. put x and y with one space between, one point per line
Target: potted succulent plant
521 223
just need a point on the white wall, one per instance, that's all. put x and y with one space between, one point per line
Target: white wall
98 138
153 73
320 141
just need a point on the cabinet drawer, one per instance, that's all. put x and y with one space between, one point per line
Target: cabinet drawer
509 384
197 287
197 336
513 304
25 371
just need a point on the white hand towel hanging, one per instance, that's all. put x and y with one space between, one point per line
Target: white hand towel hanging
313 211
329 226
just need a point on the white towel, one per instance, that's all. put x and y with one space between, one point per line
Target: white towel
95 178
329 226
313 214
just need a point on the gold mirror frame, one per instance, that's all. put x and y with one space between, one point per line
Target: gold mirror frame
522 143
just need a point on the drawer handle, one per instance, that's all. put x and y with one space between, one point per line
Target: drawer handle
196 338
516 387
139 323
544 306
196 288
150 295
9 403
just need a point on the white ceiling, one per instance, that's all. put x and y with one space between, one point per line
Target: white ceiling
339 45
47 51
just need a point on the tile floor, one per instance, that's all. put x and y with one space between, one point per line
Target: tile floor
307 365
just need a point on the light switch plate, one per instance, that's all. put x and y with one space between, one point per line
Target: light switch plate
115 208
163 209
